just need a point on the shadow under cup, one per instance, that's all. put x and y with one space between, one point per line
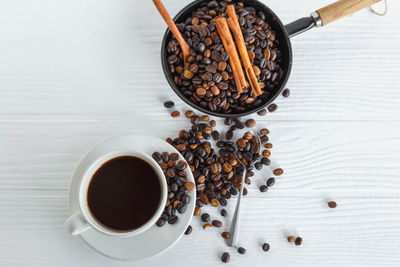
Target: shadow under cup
123 193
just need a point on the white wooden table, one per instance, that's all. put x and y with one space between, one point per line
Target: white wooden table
73 73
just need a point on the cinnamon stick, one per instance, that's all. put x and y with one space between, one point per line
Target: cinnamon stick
227 41
237 33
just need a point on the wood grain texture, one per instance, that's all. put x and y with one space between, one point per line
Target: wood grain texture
341 8
75 72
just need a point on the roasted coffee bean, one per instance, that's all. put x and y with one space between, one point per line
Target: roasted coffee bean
241 250
258 165
265 246
189 114
165 157
332 204
185 199
214 202
224 213
265 161
266 153
174 156
278 171
229 135
226 235
290 239
298 241
194 119
175 114
250 123
264 131
286 92
205 226
156 156
188 230
263 188
197 211
225 257
270 181
169 104
228 121
272 107
216 223
262 112
264 139
160 222
173 219
205 217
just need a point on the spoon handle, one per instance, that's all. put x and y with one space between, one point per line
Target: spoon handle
171 24
232 242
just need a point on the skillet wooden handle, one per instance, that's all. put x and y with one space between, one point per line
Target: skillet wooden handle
342 8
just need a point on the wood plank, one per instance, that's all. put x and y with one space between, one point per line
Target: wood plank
316 156
331 237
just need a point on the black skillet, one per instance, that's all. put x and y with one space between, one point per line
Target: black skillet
318 18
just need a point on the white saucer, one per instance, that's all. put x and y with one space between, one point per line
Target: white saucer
154 240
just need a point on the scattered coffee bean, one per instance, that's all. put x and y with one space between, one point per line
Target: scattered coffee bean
228 121
250 123
175 114
205 226
226 235
188 230
270 181
189 114
241 250
217 223
332 204
197 211
272 107
290 239
156 156
169 104
262 112
213 123
173 219
286 92
225 257
205 118
263 188
160 222
265 246
278 171
268 145
205 217
298 241
265 161
224 213
264 131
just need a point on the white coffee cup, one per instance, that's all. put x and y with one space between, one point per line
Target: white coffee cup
82 220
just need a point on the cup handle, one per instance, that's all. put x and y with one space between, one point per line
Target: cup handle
76 224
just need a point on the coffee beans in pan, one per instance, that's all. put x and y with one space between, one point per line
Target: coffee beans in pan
207 80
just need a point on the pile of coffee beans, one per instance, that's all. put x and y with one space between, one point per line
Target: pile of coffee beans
207 80
217 163
178 186
218 174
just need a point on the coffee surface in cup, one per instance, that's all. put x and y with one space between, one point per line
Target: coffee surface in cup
124 193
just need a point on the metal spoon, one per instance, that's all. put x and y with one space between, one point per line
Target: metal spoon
172 26
235 225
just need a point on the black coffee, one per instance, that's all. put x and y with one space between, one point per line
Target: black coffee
124 193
